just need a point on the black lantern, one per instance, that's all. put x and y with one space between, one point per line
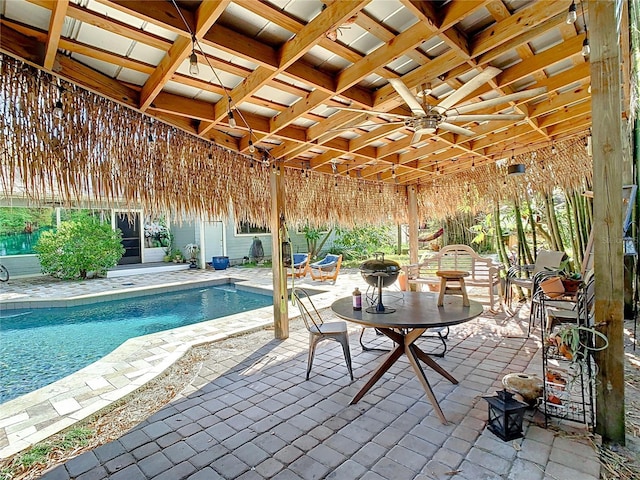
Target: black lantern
505 416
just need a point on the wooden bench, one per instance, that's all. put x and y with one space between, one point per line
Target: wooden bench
483 272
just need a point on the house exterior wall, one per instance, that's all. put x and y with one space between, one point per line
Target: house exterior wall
21 265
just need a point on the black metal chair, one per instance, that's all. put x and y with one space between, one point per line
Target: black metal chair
319 330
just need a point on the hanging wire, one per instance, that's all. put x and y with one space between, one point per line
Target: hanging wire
215 73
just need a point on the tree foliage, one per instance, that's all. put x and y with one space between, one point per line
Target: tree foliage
362 242
78 247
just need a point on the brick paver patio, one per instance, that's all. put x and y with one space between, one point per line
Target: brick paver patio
251 415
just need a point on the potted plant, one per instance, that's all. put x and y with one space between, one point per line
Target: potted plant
192 249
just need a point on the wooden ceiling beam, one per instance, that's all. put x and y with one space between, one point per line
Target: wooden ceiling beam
566 114
577 95
508 29
541 61
56 22
162 14
290 52
205 17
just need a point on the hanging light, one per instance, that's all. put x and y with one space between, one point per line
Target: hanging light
554 151
572 14
516 169
586 49
252 147
232 120
193 60
58 111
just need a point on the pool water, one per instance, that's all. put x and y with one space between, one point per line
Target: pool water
40 346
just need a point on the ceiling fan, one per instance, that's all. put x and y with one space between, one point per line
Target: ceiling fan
426 119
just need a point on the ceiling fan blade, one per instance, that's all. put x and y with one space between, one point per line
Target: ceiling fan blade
407 96
372 112
484 118
455 129
472 85
355 127
497 101
416 136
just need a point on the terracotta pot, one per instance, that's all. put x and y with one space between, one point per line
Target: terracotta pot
552 287
570 285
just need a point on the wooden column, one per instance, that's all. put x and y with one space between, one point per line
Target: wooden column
278 234
607 142
413 223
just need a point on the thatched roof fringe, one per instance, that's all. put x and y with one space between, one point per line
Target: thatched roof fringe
565 164
104 154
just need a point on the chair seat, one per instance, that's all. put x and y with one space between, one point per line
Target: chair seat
329 328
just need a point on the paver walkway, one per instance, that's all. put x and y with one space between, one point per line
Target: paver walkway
250 414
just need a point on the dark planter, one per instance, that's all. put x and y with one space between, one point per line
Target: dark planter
220 263
570 285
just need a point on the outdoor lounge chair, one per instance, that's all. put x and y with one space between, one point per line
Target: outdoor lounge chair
326 269
300 265
318 330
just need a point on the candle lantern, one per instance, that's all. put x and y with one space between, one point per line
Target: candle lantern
505 415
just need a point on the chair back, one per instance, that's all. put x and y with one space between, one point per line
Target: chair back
587 296
548 260
308 311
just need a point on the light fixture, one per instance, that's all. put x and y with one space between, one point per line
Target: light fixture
505 415
193 60
572 14
232 121
586 49
554 151
516 169
473 165
58 107
58 111
252 147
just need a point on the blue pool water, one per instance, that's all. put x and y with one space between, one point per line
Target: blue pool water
40 346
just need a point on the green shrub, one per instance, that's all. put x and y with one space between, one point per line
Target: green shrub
78 247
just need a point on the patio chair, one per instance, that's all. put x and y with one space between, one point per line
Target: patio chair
326 269
527 276
319 330
577 309
300 265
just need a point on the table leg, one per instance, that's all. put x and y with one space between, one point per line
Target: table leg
390 360
413 360
432 363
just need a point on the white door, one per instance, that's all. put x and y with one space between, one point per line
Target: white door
213 240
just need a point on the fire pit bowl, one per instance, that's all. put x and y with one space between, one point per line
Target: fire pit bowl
379 273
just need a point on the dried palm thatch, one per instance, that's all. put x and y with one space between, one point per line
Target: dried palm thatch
104 154
565 164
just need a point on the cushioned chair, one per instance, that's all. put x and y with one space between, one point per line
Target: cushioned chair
299 266
319 330
327 268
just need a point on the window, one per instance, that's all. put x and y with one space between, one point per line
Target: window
246 228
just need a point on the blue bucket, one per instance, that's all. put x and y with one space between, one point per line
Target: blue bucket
220 263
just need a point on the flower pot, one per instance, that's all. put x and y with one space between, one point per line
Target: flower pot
570 285
220 263
552 287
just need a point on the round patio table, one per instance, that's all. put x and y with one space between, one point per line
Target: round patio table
415 313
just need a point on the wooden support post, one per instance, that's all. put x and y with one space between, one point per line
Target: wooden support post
280 296
607 142
413 223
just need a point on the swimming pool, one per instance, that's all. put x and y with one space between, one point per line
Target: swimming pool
40 346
